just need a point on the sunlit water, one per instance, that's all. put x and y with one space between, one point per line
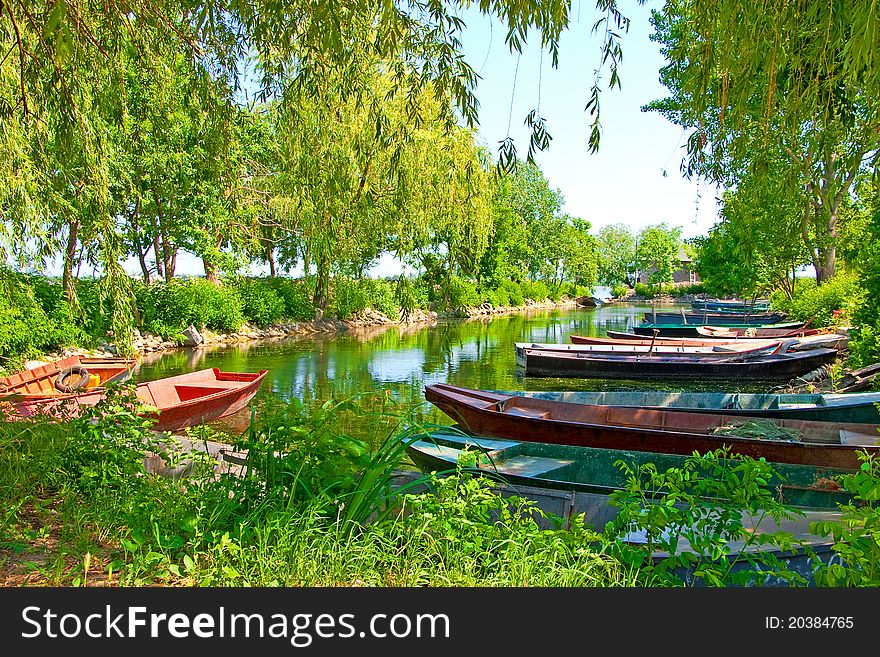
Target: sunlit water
403 360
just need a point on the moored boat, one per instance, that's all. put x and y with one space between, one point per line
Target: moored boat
731 305
850 407
524 350
66 376
719 332
515 417
714 319
594 470
179 401
694 331
777 366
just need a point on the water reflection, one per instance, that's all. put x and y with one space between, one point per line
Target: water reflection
475 354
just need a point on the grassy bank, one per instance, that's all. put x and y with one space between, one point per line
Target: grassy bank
79 510
36 317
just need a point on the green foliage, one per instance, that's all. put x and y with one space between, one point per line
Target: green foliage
354 295
260 302
34 318
535 290
616 246
619 290
857 536
693 514
167 309
297 297
829 304
656 251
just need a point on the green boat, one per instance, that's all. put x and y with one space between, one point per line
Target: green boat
693 330
593 470
847 407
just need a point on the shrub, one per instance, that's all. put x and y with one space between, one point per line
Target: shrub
618 290
168 308
297 298
535 290
819 303
34 317
260 303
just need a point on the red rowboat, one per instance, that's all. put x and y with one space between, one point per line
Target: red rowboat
73 374
647 430
181 401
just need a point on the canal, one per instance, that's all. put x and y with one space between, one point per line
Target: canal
476 353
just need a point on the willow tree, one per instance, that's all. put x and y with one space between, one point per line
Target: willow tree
752 80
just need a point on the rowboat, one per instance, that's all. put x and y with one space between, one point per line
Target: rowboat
732 305
527 419
779 366
693 331
645 341
65 376
174 402
719 332
523 349
591 469
828 340
715 319
853 407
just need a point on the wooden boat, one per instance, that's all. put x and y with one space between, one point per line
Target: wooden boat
594 470
694 331
779 366
65 376
180 401
647 342
854 407
715 319
718 332
731 305
527 419
828 340
671 351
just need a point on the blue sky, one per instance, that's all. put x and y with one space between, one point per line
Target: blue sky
624 181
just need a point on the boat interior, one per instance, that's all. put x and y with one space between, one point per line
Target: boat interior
646 418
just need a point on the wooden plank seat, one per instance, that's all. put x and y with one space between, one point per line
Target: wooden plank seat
526 412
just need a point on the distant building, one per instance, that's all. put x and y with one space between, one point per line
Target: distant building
684 274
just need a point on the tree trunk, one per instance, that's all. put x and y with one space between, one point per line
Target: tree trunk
69 257
270 257
211 272
322 285
141 252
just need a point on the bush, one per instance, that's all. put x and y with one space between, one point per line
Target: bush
260 303
842 294
535 290
34 317
297 298
619 290
168 308
462 293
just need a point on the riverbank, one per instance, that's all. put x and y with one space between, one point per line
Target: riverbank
367 320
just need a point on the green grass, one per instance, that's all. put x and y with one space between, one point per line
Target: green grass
317 508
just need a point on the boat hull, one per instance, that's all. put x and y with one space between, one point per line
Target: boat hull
182 401
630 429
595 470
859 408
773 367
39 382
693 331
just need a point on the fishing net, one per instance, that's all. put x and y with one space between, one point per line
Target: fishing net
761 429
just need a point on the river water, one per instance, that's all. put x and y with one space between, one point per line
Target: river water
477 353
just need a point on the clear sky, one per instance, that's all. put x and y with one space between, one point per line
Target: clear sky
624 180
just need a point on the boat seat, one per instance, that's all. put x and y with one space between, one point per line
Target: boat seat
529 466
526 412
